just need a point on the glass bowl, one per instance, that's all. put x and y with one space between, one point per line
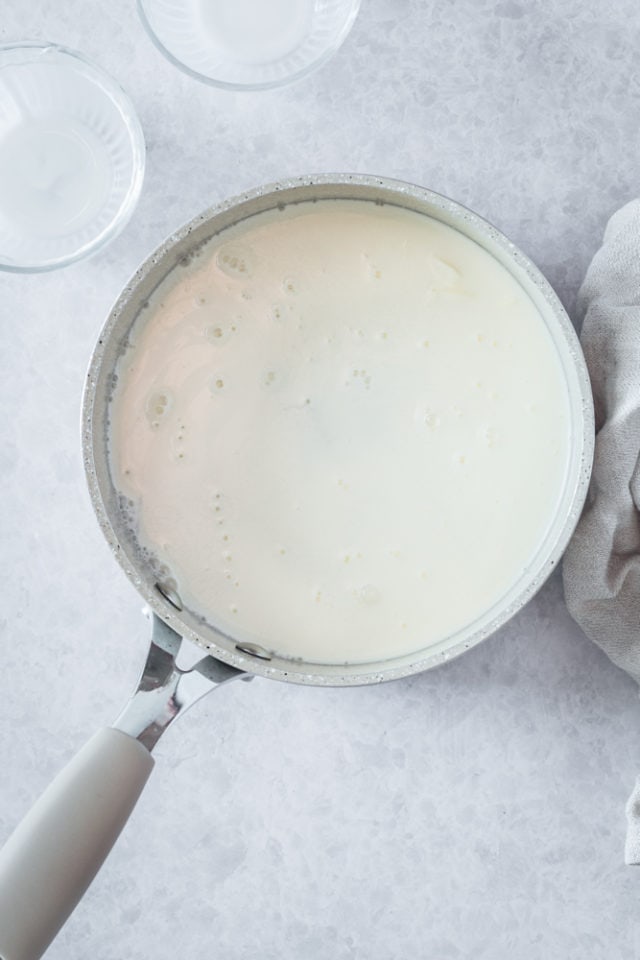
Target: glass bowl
248 44
71 157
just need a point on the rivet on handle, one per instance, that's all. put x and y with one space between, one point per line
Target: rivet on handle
253 650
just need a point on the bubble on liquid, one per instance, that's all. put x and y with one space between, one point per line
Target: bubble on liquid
489 435
128 511
361 377
280 312
157 406
369 594
236 261
426 418
373 269
443 275
217 333
431 420
112 382
177 442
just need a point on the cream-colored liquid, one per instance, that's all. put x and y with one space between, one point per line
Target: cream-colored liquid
345 431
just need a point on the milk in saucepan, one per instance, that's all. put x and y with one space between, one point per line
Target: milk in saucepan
345 430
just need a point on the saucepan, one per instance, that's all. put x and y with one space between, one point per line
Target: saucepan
54 854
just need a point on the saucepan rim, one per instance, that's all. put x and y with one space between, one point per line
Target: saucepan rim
177 248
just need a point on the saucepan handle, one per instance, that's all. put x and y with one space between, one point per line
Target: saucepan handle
54 854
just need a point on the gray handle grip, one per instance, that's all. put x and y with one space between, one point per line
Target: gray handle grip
54 854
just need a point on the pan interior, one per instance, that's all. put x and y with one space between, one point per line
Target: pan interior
389 641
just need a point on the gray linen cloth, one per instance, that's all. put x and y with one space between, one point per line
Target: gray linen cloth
602 563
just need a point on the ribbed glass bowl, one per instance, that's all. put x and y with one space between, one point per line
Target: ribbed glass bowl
248 44
71 157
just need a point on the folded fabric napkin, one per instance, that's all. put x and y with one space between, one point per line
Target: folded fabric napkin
602 564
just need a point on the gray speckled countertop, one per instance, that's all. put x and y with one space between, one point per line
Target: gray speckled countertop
474 811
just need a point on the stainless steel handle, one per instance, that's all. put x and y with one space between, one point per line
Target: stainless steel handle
165 691
51 858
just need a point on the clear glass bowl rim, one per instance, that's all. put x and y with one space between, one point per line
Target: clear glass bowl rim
112 89
264 85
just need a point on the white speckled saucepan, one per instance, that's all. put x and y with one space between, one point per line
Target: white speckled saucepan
54 854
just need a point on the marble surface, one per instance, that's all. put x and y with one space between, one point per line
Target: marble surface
474 811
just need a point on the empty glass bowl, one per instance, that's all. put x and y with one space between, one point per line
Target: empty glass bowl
248 44
71 157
